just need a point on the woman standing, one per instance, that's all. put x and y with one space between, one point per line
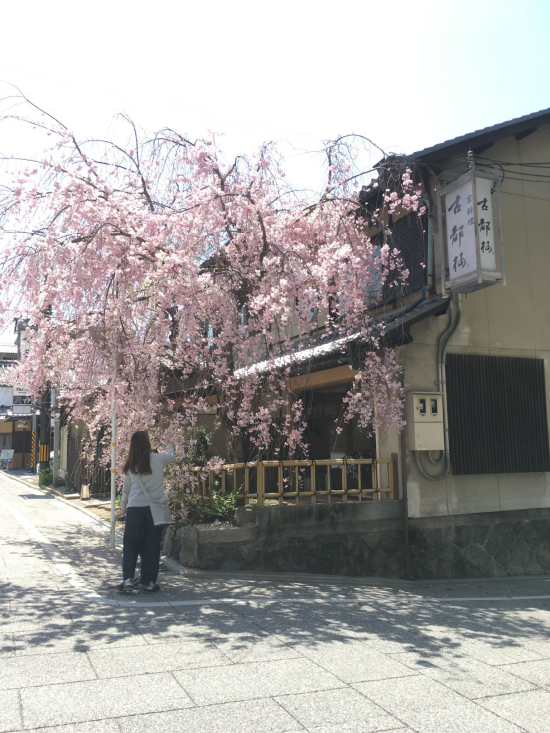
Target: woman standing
141 536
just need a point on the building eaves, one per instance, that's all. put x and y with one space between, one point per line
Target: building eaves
399 321
4 369
481 138
391 326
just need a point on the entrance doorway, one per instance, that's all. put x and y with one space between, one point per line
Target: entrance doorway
324 409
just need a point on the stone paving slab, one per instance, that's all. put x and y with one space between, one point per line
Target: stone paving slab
10 715
539 644
123 662
6 644
538 673
96 699
252 716
502 652
529 710
23 565
201 624
367 726
254 647
255 680
95 615
336 707
22 624
42 573
290 623
428 706
97 726
354 662
23 672
467 676
72 638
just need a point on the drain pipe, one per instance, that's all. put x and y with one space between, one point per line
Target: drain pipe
405 500
430 258
443 342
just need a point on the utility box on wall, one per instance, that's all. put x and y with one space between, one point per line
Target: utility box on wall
425 421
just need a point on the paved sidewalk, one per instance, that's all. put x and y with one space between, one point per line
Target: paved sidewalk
252 655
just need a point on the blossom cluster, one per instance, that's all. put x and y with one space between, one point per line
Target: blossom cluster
162 276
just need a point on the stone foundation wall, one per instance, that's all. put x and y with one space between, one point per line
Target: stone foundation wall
368 541
494 544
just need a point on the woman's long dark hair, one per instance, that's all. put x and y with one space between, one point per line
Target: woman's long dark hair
138 460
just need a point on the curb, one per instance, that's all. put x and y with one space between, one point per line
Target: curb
175 567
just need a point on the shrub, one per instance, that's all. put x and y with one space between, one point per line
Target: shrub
196 509
45 477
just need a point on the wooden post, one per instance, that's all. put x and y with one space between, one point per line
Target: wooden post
345 481
44 453
394 473
260 483
211 482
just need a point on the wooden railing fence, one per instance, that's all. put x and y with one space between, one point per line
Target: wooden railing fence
296 482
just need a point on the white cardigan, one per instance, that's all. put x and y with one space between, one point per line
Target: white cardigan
132 493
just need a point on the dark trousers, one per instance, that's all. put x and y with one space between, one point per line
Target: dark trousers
141 537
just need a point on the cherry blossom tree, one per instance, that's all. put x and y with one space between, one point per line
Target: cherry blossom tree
180 280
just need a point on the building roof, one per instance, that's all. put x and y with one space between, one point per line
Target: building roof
480 140
399 321
8 349
4 366
392 326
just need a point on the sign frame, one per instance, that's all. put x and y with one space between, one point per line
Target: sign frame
479 278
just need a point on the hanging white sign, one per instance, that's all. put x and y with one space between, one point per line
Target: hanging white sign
485 223
469 233
461 231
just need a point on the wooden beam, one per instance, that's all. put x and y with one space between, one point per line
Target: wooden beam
526 133
324 378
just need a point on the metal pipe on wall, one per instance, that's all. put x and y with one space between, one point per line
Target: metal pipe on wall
430 252
430 262
442 344
405 499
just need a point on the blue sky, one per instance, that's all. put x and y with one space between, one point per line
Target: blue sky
407 75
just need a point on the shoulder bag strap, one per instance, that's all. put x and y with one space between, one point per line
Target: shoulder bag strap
158 503
143 487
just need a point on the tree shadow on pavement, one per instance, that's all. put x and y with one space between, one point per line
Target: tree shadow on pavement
43 614
44 621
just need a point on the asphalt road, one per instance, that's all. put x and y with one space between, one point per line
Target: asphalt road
253 654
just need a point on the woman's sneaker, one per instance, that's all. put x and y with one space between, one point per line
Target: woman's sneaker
151 587
129 584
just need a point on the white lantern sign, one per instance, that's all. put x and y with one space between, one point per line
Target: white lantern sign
470 232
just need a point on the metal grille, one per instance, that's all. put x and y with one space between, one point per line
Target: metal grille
408 235
497 415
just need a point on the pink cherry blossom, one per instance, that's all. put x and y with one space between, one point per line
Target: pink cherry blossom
209 282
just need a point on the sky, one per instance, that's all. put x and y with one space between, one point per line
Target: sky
407 75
